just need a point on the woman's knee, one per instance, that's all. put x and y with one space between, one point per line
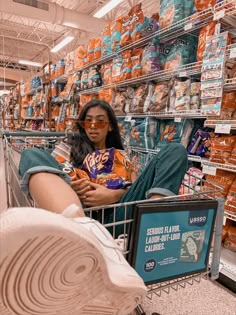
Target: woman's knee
176 150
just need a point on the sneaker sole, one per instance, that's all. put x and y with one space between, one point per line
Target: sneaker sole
47 266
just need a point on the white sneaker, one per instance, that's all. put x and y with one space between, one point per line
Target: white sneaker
51 265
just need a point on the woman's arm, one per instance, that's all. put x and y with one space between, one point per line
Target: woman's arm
100 195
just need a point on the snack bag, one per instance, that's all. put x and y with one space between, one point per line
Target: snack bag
143 133
200 144
159 100
221 149
170 131
204 4
150 59
230 203
124 128
105 95
116 69
207 30
97 48
84 79
94 77
222 179
90 54
118 102
178 52
195 95
171 11
149 26
126 67
106 40
125 31
106 167
106 71
136 59
116 28
182 93
136 17
140 95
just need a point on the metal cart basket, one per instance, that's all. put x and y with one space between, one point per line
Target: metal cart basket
15 142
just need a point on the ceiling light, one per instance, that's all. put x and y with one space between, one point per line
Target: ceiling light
30 63
63 43
107 8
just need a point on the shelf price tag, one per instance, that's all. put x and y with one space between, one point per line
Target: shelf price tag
178 119
219 15
232 53
209 169
182 74
188 26
223 128
128 118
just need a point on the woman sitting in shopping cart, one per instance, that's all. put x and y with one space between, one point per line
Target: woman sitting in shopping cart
94 173
46 177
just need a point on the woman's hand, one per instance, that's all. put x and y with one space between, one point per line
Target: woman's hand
81 186
100 195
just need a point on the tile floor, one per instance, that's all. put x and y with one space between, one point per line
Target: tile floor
204 298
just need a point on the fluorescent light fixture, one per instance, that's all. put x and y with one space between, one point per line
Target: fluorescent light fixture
63 43
30 63
107 8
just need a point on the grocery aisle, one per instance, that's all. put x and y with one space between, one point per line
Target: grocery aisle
201 298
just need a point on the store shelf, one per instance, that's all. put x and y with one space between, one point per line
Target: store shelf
230 85
177 115
214 123
206 162
32 118
227 261
230 215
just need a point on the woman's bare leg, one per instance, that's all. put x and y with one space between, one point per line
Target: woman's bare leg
51 192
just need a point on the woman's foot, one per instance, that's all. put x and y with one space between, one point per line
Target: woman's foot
50 265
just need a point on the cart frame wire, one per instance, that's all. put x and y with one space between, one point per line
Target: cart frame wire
15 142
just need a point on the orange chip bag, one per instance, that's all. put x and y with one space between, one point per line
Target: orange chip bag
204 4
136 59
126 67
97 48
105 95
91 50
125 31
106 71
207 30
116 28
136 17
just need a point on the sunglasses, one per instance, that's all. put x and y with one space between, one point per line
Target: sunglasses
95 124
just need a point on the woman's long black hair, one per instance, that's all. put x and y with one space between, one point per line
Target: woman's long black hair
81 145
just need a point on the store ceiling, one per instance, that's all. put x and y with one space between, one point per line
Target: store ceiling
28 32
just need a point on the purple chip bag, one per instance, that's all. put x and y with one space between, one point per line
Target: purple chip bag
99 162
201 142
150 59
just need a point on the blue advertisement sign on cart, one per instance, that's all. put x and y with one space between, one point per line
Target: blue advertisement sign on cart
172 239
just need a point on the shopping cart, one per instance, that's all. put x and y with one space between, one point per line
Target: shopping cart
195 197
